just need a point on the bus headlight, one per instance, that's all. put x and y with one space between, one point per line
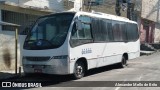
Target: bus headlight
60 57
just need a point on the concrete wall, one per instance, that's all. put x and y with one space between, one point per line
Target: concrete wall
55 5
7 50
151 10
157 33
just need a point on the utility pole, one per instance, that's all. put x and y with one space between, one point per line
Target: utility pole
158 12
130 9
118 8
16 50
90 5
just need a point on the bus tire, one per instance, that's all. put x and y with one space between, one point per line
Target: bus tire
123 62
79 70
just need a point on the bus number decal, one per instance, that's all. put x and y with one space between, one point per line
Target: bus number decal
86 51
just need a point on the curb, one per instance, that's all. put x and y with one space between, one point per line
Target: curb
147 52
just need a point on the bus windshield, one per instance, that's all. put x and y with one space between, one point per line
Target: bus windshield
49 32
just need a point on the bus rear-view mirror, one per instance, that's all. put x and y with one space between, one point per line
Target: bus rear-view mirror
78 25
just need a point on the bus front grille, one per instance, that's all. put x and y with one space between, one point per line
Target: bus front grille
37 58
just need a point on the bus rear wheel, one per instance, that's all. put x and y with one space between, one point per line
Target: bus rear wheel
79 70
123 63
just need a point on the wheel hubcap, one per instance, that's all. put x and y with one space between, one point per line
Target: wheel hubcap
79 70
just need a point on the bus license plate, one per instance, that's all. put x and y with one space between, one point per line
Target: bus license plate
38 70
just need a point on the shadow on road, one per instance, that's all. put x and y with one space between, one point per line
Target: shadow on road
4 75
102 69
51 80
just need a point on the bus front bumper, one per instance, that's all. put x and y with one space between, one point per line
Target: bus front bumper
56 66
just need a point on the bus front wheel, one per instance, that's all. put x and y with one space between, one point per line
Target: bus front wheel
79 70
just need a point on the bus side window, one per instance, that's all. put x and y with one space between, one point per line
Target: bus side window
74 32
79 37
115 28
132 32
119 31
109 30
102 30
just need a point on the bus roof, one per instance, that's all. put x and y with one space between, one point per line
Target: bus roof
106 16
99 15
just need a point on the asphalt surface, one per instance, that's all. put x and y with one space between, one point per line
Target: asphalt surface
144 68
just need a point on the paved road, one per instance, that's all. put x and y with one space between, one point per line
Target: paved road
145 68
